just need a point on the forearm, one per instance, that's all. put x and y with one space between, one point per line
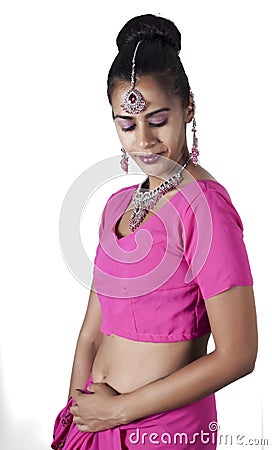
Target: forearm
82 365
198 379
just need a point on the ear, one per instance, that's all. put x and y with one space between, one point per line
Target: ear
190 110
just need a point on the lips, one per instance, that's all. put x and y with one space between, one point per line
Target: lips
150 158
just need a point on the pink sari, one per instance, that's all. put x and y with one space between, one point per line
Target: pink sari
193 427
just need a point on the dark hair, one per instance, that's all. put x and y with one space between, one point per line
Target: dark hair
157 55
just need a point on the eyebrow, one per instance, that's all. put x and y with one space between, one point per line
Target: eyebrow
147 115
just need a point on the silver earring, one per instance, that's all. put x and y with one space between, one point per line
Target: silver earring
195 151
124 161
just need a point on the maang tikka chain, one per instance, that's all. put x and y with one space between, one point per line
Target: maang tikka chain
134 102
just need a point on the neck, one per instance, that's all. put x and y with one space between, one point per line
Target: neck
156 181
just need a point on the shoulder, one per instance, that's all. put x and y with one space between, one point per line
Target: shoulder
209 190
207 186
209 199
115 203
125 189
213 241
120 197
123 192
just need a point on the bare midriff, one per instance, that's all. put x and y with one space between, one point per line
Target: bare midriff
126 365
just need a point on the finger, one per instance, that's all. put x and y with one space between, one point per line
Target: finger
83 391
84 428
90 389
74 410
77 420
94 387
77 394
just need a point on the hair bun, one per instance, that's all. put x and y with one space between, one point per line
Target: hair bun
149 27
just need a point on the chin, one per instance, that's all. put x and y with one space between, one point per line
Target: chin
161 169
158 172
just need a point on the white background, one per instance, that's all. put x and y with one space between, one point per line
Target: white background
56 122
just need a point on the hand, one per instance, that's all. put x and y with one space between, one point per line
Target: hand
97 410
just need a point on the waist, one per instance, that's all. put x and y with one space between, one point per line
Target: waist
168 315
126 365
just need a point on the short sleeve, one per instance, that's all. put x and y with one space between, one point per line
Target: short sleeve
213 244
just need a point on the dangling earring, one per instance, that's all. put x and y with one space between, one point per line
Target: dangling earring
124 161
195 151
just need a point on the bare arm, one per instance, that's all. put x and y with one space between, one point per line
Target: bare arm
233 322
87 344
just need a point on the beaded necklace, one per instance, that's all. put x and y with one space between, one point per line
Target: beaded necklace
144 200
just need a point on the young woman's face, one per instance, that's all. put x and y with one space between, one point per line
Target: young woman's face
156 137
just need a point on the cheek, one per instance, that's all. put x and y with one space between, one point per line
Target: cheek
173 141
126 140
170 138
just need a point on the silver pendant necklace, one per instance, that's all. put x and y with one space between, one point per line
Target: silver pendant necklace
144 200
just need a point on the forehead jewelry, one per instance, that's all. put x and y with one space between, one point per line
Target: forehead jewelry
134 102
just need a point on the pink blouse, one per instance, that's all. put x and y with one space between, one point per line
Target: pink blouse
152 284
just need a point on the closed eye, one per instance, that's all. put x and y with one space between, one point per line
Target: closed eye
130 128
152 124
159 124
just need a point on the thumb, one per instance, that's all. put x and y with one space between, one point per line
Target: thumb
92 388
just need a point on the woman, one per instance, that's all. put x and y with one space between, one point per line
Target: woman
170 269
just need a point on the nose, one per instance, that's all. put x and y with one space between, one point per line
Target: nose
146 137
